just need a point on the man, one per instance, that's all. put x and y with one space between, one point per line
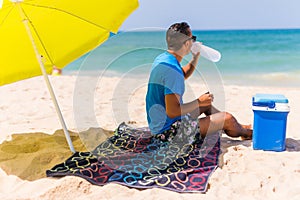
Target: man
166 112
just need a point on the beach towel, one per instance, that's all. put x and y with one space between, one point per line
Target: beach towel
133 157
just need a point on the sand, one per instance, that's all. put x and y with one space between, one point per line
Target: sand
32 141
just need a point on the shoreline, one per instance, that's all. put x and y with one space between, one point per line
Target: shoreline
274 79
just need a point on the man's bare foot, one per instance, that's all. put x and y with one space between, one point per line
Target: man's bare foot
248 135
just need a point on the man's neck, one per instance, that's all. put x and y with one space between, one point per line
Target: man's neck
177 56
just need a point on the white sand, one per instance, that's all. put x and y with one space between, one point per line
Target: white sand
243 173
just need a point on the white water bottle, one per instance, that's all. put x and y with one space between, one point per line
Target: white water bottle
205 51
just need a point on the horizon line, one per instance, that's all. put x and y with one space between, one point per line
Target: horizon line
233 29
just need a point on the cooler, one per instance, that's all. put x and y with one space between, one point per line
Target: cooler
270 118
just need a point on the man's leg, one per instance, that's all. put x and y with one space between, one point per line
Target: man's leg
207 110
224 121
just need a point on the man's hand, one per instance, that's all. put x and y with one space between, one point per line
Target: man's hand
205 99
196 55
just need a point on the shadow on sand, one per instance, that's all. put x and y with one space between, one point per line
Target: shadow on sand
29 155
292 145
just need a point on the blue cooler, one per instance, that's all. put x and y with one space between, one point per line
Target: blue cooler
270 117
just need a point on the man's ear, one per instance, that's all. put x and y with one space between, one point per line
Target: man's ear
186 43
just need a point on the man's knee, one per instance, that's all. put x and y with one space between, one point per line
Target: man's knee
228 117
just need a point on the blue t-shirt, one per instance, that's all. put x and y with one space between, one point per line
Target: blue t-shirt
166 77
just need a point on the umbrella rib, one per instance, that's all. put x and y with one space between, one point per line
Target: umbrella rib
12 7
38 36
69 13
6 16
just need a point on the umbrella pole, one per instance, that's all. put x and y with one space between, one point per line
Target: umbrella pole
67 135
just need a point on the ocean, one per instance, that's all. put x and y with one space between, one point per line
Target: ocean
249 57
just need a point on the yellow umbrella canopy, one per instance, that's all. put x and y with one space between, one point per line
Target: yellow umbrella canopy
36 35
62 30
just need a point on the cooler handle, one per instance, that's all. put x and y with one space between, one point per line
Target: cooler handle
269 104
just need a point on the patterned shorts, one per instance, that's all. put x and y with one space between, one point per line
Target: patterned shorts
186 129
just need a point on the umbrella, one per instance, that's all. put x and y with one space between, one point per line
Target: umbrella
37 35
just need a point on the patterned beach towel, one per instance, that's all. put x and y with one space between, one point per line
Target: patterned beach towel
133 157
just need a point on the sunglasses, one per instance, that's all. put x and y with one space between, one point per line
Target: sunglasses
193 38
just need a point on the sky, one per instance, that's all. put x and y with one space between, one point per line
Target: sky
216 14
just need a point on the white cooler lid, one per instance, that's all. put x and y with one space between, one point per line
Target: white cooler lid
270 102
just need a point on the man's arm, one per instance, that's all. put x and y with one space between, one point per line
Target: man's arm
191 66
174 109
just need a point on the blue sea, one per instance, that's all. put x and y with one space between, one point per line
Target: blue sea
249 57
